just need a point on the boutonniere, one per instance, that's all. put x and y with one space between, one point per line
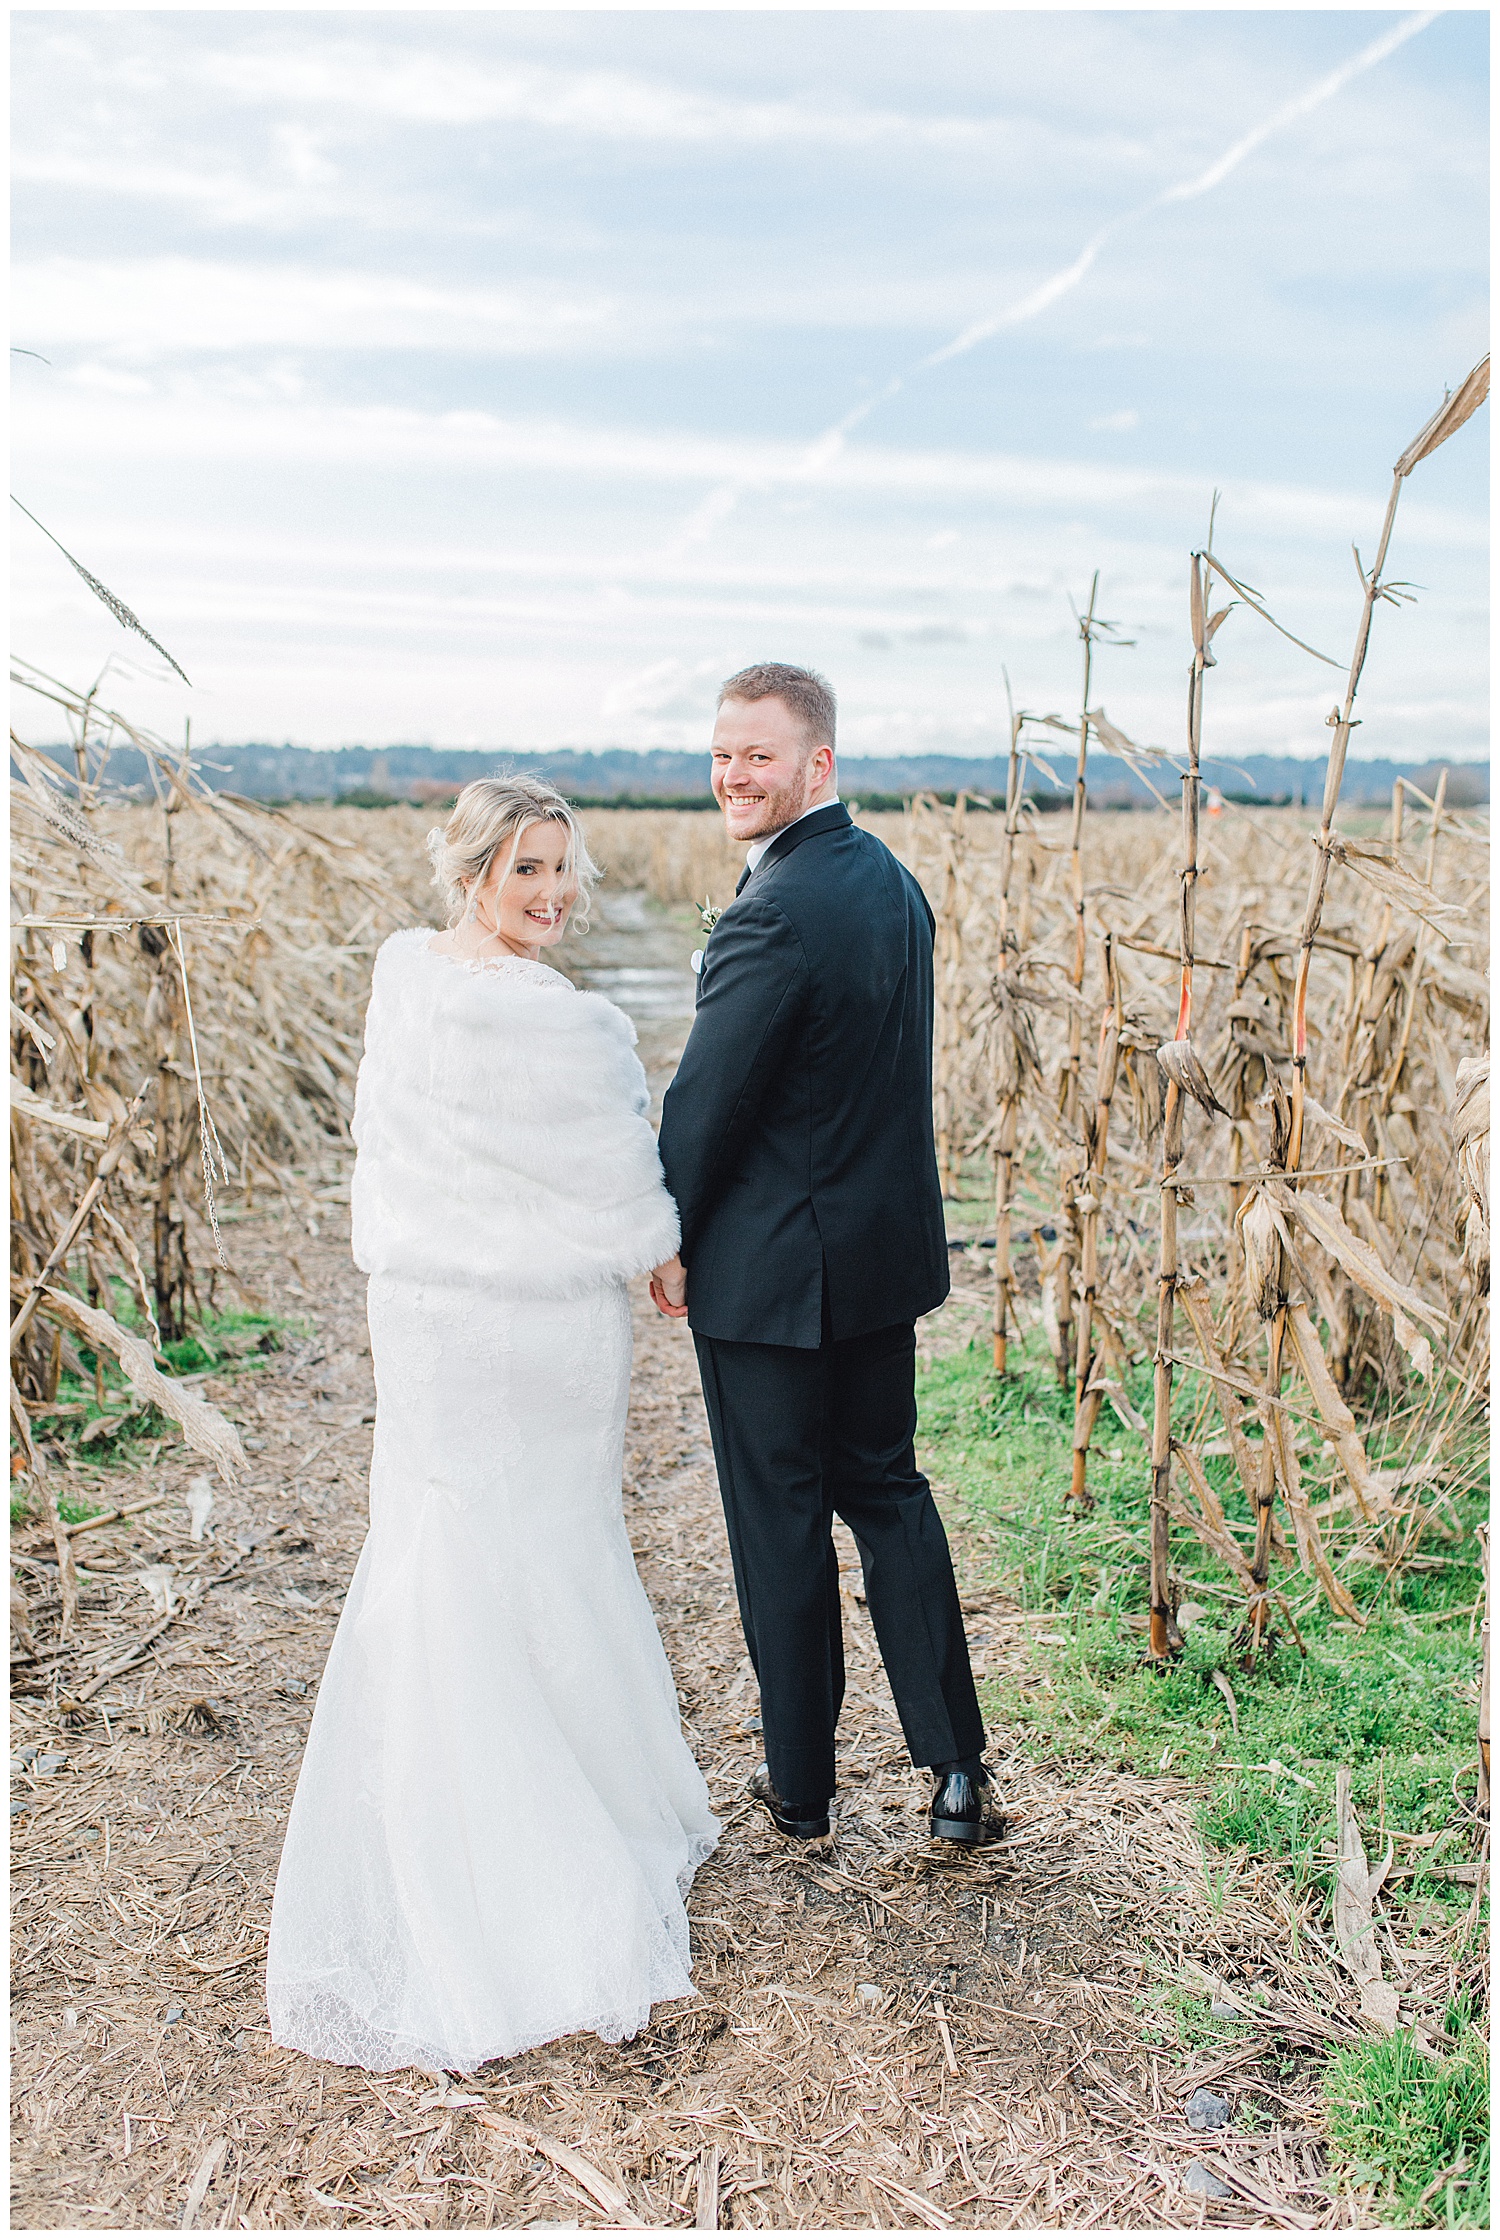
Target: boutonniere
709 916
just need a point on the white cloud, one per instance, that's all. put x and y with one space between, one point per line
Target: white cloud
672 690
178 304
430 88
302 154
1115 423
168 305
221 196
202 422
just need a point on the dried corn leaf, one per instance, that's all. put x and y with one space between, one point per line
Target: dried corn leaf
1142 1079
1462 990
1340 1429
1353 1911
31 1107
1471 1127
1252 1029
1252 600
1322 1118
1101 1388
608 2195
1136 758
1180 1062
1390 878
1277 1106
1281 1437
1196 1304
23 1023
205 1429
1015 1058
1262 1234
1363 1218
1211 1526
1358 1261
1449 417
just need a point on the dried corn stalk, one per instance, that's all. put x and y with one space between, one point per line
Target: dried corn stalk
1322 1219
1091 1206
1185 1076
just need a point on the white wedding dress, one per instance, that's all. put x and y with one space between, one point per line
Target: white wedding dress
497 1817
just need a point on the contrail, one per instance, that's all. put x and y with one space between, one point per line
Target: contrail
1302 106
1062 283
1030 307
821 452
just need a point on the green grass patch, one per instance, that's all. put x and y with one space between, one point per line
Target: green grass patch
115 1431
225 1343
1414 2128
1395 1700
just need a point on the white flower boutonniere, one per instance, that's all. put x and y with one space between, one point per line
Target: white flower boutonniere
709 918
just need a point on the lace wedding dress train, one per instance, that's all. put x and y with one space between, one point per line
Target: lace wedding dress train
497 1817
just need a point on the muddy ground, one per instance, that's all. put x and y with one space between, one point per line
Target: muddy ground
883 2034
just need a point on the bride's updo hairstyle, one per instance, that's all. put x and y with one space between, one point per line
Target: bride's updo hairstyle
491 815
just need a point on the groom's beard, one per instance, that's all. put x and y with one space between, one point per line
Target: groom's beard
777 809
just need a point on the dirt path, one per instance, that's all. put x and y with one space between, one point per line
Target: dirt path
882 2036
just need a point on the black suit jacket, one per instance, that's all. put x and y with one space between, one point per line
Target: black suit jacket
797 1135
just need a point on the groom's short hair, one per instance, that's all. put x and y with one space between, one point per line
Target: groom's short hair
809 696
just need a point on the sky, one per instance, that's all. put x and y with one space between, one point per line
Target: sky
508 378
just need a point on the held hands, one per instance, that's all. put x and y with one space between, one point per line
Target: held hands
669 1288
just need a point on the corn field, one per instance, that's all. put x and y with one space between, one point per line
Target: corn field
188 986
1289 1068
1389 1251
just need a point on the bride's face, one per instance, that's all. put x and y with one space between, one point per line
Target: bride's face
528 908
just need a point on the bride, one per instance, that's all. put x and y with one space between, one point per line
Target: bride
497 1817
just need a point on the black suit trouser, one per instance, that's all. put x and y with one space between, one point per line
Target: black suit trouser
802 1435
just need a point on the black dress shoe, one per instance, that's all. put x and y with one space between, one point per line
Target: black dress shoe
965 1811
804 1822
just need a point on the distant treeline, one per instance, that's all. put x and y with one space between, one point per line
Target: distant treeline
661 778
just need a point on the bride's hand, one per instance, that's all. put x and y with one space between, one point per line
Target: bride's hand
669 1288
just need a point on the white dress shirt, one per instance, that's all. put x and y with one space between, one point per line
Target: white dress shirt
757 848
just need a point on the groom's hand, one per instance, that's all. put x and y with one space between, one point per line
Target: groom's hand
669 1288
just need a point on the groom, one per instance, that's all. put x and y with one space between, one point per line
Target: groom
797 1141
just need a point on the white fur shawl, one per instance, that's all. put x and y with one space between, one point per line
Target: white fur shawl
502 1132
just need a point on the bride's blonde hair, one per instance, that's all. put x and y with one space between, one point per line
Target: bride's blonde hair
489 815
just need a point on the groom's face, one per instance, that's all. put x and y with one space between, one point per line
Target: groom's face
764 771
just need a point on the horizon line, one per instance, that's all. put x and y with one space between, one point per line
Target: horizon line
999 753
